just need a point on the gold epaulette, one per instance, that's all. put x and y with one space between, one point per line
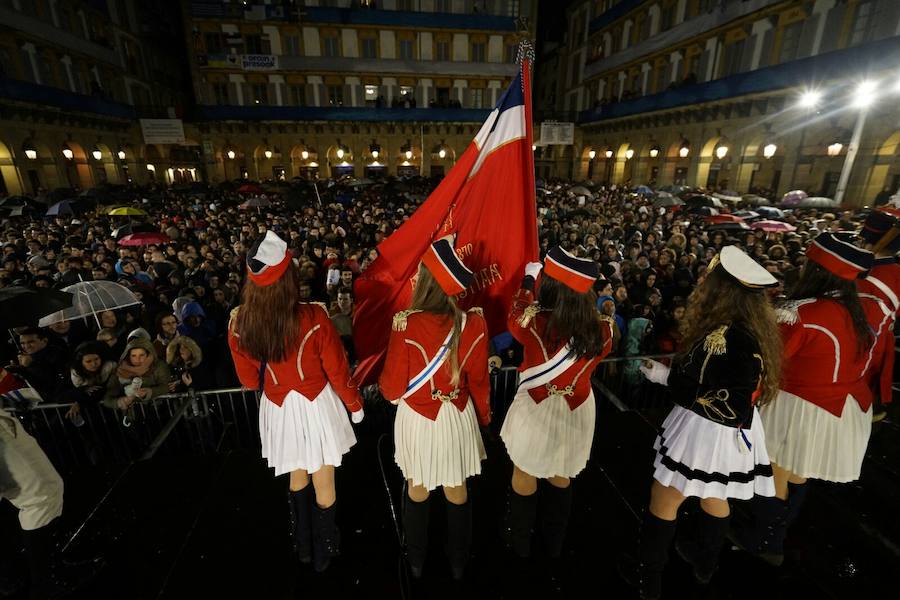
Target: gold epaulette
528 314
608 319
232 317
715 341
400 318
477 310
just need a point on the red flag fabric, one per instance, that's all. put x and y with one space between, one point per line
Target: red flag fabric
488 200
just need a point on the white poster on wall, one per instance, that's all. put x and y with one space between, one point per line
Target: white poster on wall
259 62
162 131
553 132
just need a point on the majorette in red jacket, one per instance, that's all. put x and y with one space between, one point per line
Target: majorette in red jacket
319 359
416 339
527 324
879 293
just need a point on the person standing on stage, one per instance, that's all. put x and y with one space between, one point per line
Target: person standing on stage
291 351
549 428
436 371
879 292
712 444
819 425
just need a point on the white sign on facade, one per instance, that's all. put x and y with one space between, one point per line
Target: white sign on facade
162 131
557 133
259 62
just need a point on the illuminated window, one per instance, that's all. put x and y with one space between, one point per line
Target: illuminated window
371 92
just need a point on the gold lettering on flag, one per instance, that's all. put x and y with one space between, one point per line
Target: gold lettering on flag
483 279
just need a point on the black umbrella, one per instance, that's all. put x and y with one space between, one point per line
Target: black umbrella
130 228
22 306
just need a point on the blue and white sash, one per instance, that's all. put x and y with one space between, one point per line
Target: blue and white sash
423 376
546 372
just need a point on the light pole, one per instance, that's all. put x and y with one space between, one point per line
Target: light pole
862 99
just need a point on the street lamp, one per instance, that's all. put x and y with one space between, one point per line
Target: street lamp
769 150
304 154
654 151
721 152
121 154
96 153
533 147
67 152
810 99
340 152
629 154
230 154
30 151
834 149
685 149
408 154
374 150
592 154
609 153
267 153
442 153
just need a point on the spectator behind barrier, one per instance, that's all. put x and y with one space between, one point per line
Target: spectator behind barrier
185 359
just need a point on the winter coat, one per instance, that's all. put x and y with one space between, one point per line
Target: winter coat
156 379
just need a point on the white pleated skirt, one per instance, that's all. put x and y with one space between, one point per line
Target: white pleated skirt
701 458
547 438
304 434
811 442
440 453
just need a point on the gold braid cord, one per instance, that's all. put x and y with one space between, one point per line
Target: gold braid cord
400 319
528 314
715 341
476 310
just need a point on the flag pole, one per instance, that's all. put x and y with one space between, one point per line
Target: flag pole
525 58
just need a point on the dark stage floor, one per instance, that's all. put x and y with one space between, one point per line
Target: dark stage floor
216 526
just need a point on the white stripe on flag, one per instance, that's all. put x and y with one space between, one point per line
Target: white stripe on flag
510 126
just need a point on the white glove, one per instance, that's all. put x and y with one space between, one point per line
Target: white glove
357 416
533 269
656 372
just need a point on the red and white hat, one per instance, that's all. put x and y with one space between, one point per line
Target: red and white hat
573 272
268 259
446 267
840 257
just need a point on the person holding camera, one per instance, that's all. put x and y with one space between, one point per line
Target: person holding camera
189 371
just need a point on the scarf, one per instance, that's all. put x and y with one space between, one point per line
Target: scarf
127 371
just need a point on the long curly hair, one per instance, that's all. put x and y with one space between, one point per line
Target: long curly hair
719 300
429 297
815 282
573 318
268 322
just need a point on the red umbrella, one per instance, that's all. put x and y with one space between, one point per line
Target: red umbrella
250 188
144 238
723 219
773 226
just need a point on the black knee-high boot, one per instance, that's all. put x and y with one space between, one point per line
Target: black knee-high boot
301 522
415 532
459 536
556 505
763 535
701 547
520 521
326 537
653 554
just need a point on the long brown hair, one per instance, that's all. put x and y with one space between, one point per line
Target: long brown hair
429 297
268 321
719 300
573 318
815 282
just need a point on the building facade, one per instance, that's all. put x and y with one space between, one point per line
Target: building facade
75 75
735 94
325 88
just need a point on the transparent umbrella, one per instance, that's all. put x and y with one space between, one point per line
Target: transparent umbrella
90 298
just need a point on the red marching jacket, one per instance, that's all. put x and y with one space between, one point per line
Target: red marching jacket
527 324
415 340
879 293
317 360
823 362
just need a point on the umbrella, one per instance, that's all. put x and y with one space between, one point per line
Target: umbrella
746 214
643 190
702 210
580 190
664 199
255 203
770 212
144 238
126 211
129 228
773 226
63 207
695 199
674 189
250 188
90 298
724 219
817 202
755 200
16 201
728 196
793 198
728 226
21 306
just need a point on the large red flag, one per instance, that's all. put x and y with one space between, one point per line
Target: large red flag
488 200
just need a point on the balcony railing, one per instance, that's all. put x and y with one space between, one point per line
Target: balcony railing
323 113
24 91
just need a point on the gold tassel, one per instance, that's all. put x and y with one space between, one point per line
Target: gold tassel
715 341
528 314
400 319
477 310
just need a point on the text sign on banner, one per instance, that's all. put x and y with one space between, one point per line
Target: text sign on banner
258 62
162 131
557 133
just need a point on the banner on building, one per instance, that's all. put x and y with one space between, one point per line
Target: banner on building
259 62
162 131
553 132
